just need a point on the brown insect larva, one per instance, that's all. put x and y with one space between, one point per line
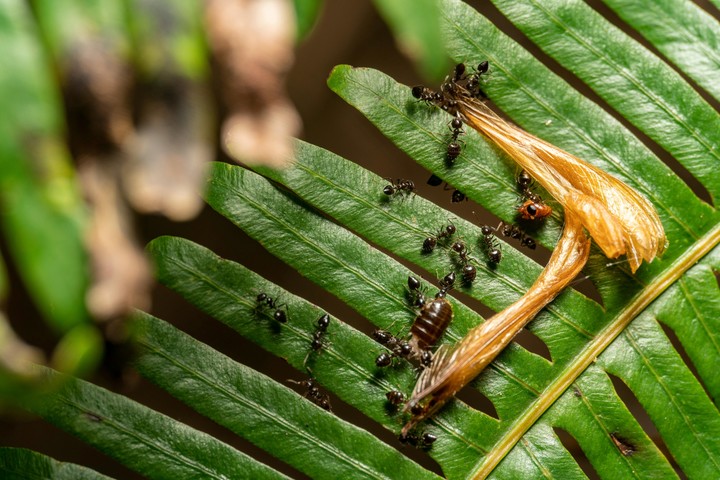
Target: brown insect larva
435 316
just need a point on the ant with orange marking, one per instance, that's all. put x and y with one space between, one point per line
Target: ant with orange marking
533 207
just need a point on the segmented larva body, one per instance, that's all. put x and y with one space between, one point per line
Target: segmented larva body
435 316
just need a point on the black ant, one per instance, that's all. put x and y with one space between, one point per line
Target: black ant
447 282
533 207
473 80
437 99
424 440
455 146
462 251
263 299
399 186
492 248
383 337
524 181
397 347
427 95
458 72
317 342
314 394
322 325
417 295
430 242
513 231
469 272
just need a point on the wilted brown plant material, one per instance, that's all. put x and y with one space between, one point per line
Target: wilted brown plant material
97 80
121 273
620 220
167 158
96 83
252 45
17 356
453 367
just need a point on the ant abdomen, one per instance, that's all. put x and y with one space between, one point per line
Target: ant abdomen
395 397
434 318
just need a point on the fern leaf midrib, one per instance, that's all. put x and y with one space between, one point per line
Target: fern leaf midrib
594 348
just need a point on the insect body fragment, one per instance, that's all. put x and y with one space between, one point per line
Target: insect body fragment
532 210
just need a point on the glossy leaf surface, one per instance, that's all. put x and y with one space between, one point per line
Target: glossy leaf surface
329 219
142 439
254 406
20 464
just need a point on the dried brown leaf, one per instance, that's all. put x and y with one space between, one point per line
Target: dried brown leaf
452 368
252 44
620 220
